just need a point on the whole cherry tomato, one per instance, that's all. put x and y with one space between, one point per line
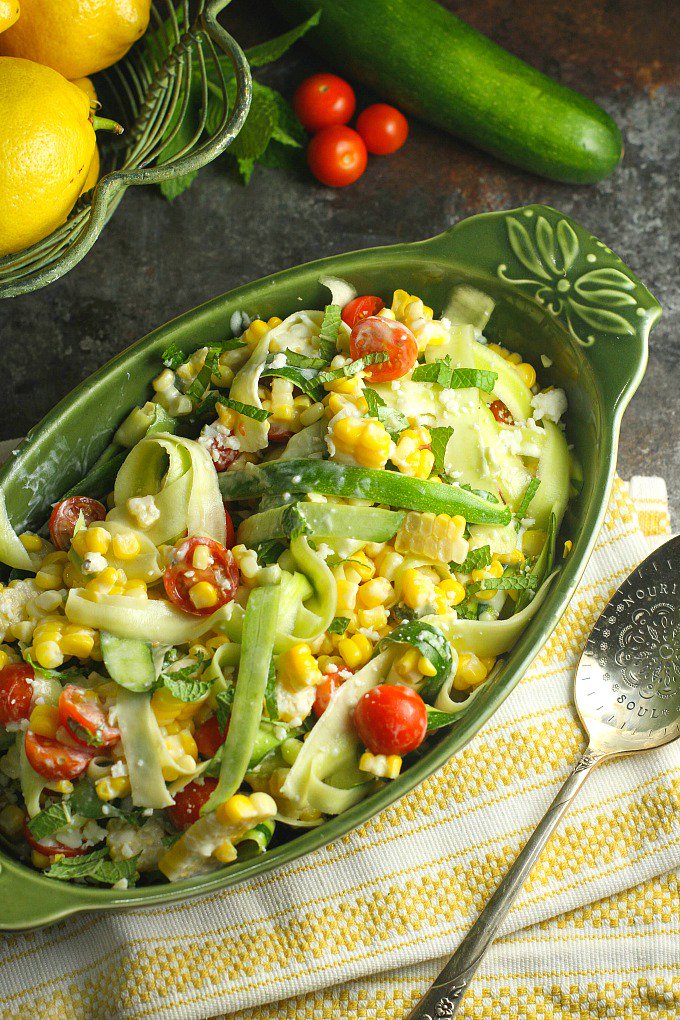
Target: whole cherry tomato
391 719
337 156
65 517
360 308
397 341
182 574
15 693
209 737
323 100
229 525
54 760
84 719
383 128
52 849
188 803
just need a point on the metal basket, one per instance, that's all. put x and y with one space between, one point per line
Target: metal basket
148 92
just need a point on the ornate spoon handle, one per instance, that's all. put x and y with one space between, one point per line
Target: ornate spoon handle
446 994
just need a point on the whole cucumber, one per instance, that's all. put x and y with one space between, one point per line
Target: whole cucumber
433 65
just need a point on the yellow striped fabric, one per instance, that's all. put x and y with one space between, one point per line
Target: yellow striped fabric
358 929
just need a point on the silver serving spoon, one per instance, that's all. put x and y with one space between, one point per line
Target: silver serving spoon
627 694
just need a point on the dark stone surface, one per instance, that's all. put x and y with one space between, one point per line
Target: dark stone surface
155 260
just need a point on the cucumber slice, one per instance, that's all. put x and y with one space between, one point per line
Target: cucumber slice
321 520
554 469
509 386
129 661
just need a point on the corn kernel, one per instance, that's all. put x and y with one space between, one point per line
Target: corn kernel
201 559
203 595
235 810
213 643
366 442
384 766
376 592
568 546
373 619
225 852
426 667
299 668
311 415
388 563
416 589
515 557
63 786
50 579
31 543
470 672
112 787
11 820
4 658
39 860
453 590
164 380
44 720
125 546
527 373
48 654
355 650
78 641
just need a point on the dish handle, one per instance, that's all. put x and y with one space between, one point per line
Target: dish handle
542 256
28 900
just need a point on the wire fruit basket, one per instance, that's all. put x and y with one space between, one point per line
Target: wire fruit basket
178 62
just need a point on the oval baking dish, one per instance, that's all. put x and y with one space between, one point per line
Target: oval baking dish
560 296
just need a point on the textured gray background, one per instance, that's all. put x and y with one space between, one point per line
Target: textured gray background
155 260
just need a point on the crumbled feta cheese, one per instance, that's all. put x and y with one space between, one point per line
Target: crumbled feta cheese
14 600
278 361
546 361
295 706
94 563
324 550
118 769
550 404
126 841
370 633
144 510
122 883
510 439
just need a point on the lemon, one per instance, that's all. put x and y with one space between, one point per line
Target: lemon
9 12
47 142
93 173
75 37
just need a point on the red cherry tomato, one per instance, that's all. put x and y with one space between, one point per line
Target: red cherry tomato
325 691
65 517
15 693
391 719
383 128
182 575
209 737
222 456
376 334
229 525
337 156
188 803
360 308
53 760
322 100
51 849
278 433
501 412
84 719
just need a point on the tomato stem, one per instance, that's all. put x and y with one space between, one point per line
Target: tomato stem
105 124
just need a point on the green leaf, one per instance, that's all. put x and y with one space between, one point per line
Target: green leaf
270 696
338 625
440 439
262 119
85 802
63 675
49 821
268 552
247 410
303 378
97 866
508 582
394 421
330 330
431 643
173 357
354 366
273 49
475 560
531 490
224 700
443 373
202 381
176 186
246 167
184 683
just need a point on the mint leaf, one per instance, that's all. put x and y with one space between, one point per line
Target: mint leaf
97 866
225 700
273 49
531 490
202 381
173 357
270 696
508 582
63 675
440 439
247 410
268 552
393 420
186 690
330 329
442 373
475 560
338 625
49 821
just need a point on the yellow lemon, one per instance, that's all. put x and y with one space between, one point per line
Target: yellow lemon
75 37
47 142
9 12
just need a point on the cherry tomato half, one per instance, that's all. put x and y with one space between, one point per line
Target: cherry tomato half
52 849
278 433
376 334
188 803
209 737
84 719
391 719
221 455
325 691
65 517
383 128
15 693
323 100
181 576
337 156
501 412
360 308
229 526
53 760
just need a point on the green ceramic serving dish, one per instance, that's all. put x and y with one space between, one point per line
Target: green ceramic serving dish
559 292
